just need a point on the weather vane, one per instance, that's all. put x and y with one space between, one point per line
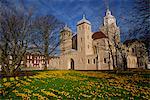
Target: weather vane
106 2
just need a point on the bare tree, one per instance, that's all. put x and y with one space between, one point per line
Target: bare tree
14 38
110 32
47 30
117 52
141 54
138 49
139 20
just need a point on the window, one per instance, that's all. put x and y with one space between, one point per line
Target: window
81 39
133 50
88 61
82 27
94 50
79 28
141 64
104 60
97 44
88 46
88 28
94 61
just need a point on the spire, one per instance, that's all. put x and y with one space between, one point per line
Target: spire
108 11
109 18
107 7
83 20
67 28
83 17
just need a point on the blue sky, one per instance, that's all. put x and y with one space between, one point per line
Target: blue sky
71 11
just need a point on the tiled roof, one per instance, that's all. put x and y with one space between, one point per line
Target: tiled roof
98 35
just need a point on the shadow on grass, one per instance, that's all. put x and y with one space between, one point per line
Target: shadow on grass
19 74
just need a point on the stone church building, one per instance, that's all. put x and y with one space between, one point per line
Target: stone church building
89 50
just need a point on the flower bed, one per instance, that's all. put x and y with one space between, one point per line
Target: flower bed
75 85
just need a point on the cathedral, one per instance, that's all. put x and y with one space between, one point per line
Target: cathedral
87 50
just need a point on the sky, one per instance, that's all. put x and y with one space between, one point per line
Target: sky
71 11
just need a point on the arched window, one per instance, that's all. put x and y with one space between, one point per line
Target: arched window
88 61
93 61
94 49
79 27
133 50
82 27
104 60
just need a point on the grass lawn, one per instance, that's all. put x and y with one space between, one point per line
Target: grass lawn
76 85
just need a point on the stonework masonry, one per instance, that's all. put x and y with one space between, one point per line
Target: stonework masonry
90 54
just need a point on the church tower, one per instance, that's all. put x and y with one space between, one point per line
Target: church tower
84 38
65 40
110 27
109 19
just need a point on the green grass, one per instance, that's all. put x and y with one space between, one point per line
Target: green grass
75 85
